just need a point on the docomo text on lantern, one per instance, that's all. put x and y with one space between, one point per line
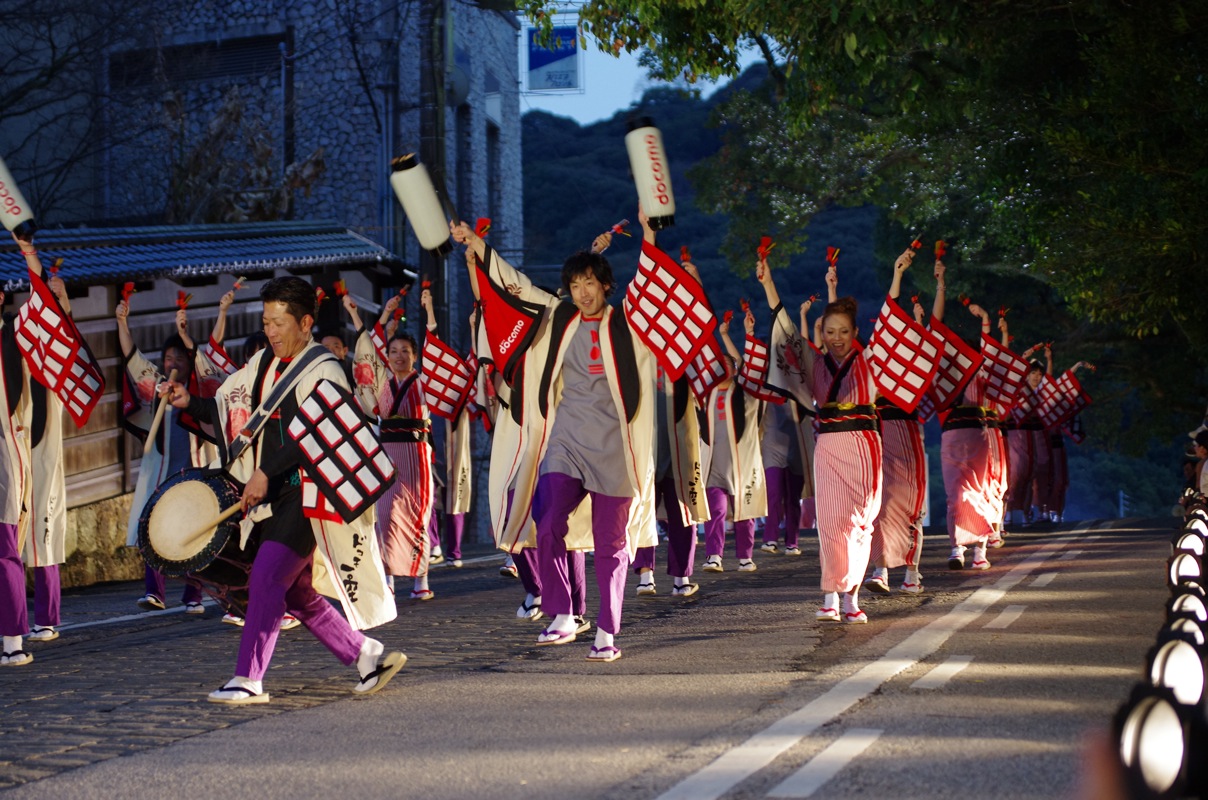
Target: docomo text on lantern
11 206
657 171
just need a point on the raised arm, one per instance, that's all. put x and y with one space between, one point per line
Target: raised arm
224 304
388 310
978 311
832 284
723 328
182 328
123 329
350 306
919 312
26 243
476 250
1048 358
899 267
425 300
764 274
937 308
60 291
1006 335
647 231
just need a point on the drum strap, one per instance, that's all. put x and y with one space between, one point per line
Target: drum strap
281 389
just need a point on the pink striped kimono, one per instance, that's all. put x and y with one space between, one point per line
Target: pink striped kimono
847 468
970 453
1025 435
404 511
897 538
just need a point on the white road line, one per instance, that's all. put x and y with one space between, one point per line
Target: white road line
1004 619
211 604
744 760
1069 556
942 673
827 764
1044 580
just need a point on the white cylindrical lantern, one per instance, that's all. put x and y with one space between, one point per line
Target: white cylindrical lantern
415 191
15 212
651 172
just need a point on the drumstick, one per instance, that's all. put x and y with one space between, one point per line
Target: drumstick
159 415
214 523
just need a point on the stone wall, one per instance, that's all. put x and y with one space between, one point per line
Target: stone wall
96 545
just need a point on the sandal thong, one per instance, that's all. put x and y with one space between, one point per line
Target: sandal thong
249 697
557 637
386 670
604 654
17 658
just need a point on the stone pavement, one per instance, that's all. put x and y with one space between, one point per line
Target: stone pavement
125 681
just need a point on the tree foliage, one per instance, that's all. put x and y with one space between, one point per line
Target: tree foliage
1059 146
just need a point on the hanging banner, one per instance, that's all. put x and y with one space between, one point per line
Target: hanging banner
554 67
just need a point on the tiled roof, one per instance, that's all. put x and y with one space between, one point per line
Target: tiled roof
110 255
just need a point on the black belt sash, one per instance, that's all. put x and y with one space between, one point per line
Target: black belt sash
963 417
840 417
888 412
406 430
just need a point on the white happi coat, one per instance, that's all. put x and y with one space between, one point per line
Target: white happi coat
687 468
746 460
47 543
14 452
522 471
347 563
788 374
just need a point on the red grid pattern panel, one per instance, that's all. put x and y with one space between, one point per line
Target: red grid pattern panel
1005 372
904 356
448 380
667 309
958 364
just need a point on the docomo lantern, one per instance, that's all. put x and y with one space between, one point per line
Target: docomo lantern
651 172
415 191
15 212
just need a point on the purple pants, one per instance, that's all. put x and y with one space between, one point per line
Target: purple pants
576 566
715 528
280 582
14 616
153 583
681 538
556 497
46 596
455 527
433 532
784 504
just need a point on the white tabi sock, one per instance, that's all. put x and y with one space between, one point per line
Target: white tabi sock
421 584
12 643
603 639
881 573
371 651
682 581
850 604
913 576
562 622
831 600
255 687
646 577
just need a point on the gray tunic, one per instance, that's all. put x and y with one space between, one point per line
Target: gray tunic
585 442
779 442
721 473
662 456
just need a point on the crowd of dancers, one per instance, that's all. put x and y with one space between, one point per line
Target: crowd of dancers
607 422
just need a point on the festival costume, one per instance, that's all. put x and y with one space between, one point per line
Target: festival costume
735 487
14 485
305 549
783 467
1028 453
557 501
403 512
681 502
789 376
897 538
46 546
971 464
847 467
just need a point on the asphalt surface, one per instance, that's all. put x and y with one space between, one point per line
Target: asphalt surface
985 686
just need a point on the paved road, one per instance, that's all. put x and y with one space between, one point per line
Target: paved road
983 687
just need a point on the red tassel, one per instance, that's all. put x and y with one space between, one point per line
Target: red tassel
813 298
239 282
941 249
127 290
765 246
482 226
182 299
744 305
914 299
727 317
1002 311
832 256
685 256
54 268
916 245
964 300
619 228
398 314
320 296
341 288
